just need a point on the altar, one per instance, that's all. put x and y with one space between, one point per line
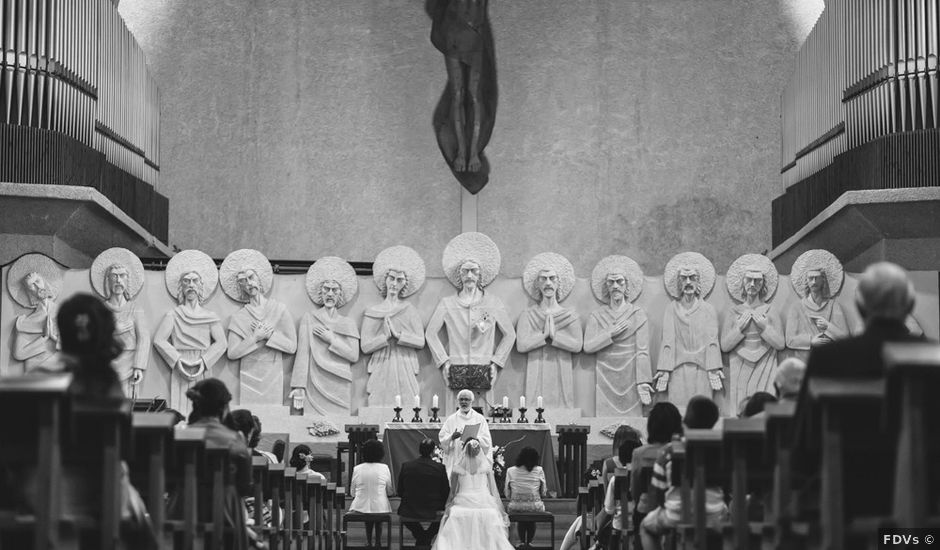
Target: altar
401 445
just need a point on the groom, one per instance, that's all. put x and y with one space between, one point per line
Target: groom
423 488
455 425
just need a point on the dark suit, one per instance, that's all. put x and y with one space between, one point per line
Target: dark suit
858 355
423 488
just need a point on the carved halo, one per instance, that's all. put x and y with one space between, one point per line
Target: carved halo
548 260
471 246
692 260
617 264
734 279
188 261
240 260
26 264
822 260
331 268
399 258
117 255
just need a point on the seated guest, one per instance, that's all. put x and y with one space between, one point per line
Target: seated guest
525 487
255 451
885 297
756 403
370 487
789 378
423 488
663 422
612 463
210 399
300 458
278 450
701 413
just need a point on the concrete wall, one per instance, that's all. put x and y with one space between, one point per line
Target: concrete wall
645 127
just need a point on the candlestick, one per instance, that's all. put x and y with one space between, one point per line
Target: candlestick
539 419
507 416
434 401
434 417
417 417
398 401
397 415
538 402
521 401
522 418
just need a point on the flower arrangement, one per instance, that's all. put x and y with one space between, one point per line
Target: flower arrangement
591 474
322 428
438 455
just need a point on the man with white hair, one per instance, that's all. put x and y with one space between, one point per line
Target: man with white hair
885 297
454 426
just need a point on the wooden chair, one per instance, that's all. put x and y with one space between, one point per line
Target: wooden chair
152 441
621 492
402 520
33 442
535 517
328 539
584 512
339 507
379 519
913 371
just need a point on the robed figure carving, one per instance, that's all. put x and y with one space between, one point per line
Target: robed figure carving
817 318
190 338
392 330
117 275
752 333
327 342
548 332
619 334
689 356
472 319
34 282
463 119
260 333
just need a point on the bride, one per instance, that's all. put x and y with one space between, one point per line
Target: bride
474 517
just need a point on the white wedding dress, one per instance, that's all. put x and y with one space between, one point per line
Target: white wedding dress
475 519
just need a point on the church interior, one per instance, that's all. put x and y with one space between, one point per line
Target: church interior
327 219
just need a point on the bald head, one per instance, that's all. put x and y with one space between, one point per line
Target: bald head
884 292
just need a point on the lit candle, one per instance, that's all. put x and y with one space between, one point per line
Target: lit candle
398 401
434 401
505 402
417 401
538 402
521 401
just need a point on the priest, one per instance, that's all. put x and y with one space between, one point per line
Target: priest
455 425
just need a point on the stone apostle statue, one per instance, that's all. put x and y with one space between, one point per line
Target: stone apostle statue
189 338
260 333
117 275
327 342
34 281
817 319
689 356
619 334
752 333
472 318
548 332
392 331
454 426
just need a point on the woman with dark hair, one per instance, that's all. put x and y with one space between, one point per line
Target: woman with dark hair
371 485
278 450
86 328
663 423
525 487
210 400
612 464
300 458
756 404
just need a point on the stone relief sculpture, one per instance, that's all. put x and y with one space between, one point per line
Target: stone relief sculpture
689 356
548 332
34 282
817 318
472 318
464 117
117 275
752 333
619 334
260 333
392 331
327 342
189 338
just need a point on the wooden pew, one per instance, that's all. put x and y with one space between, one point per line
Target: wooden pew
744 441
301 510
315 490
328 541
584 512
36 402
259 478
339 531
188 447
621 539
572 457
913 376
217 463
152 442
779 439
702 449
287 528
276 483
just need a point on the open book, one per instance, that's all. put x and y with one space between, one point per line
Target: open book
470 430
